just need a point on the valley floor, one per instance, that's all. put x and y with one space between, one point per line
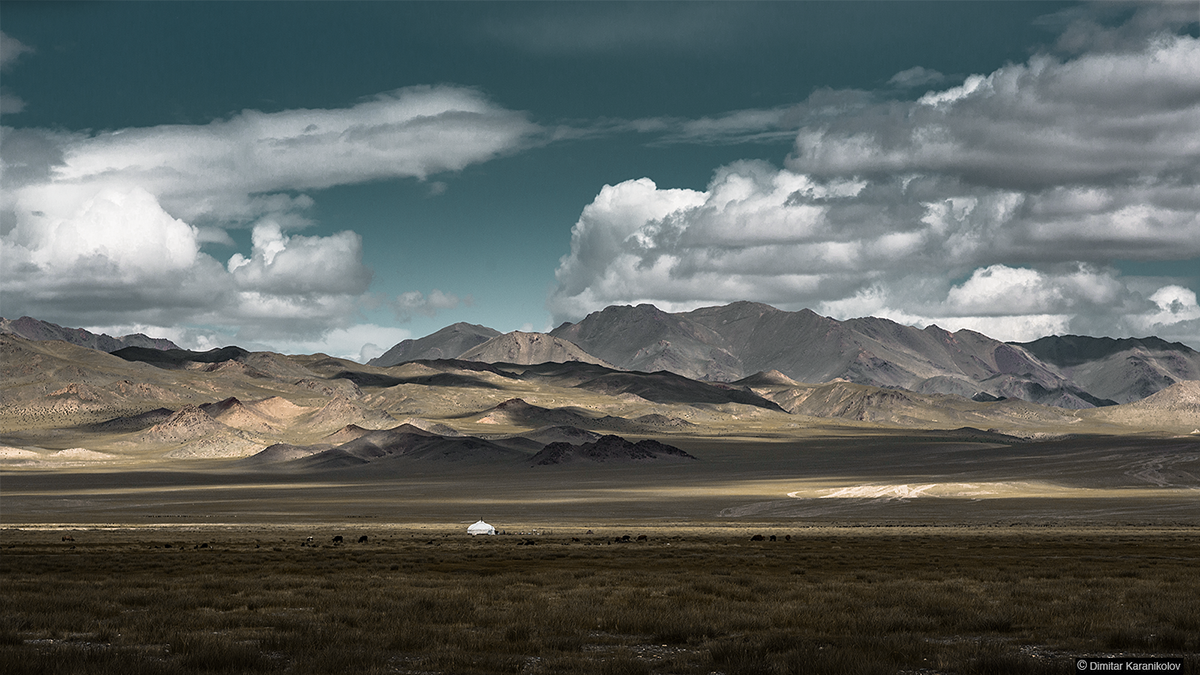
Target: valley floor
902 478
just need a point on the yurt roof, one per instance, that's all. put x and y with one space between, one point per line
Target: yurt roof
481 526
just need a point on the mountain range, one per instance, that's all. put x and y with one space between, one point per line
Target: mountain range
732 342
63 405
34 329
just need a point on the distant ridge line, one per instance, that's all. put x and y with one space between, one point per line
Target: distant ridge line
38 330
736 341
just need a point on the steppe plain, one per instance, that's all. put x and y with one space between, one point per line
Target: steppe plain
912 533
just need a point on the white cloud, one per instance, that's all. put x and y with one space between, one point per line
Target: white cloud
1026 183
109 227
999 290
122 257
128 229
1175 305
416 302
357 342
1099 119
916 76
245 167
298 265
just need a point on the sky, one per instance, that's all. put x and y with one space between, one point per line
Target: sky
339 176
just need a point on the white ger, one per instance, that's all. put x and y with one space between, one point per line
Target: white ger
481 528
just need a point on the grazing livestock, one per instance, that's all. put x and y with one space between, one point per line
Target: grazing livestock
757 537
787 537
642 537
67 537
362 539
772 537
337 538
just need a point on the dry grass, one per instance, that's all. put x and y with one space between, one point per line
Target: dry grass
930 600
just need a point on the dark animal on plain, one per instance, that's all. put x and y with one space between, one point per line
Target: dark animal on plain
787 537
337 538
772 537
574 538
362 539
590 532
67 537
757 537
642 537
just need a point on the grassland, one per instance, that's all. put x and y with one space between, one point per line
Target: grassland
692 599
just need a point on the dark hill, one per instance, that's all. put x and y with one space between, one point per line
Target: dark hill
1123 370
667 387
1074 350
407 442
607 449
178 358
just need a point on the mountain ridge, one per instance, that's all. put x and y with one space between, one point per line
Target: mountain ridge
728 343
447 343
36 329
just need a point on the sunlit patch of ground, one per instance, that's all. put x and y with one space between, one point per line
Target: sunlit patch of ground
52 459
914 491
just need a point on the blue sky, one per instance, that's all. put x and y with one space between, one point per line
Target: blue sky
336 177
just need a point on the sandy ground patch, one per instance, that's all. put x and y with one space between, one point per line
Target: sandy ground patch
70 457
7 452
914 491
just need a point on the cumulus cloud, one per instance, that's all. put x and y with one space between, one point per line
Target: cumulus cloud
109 227
154 273
298 265
1099 119
1175 304
1025 184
